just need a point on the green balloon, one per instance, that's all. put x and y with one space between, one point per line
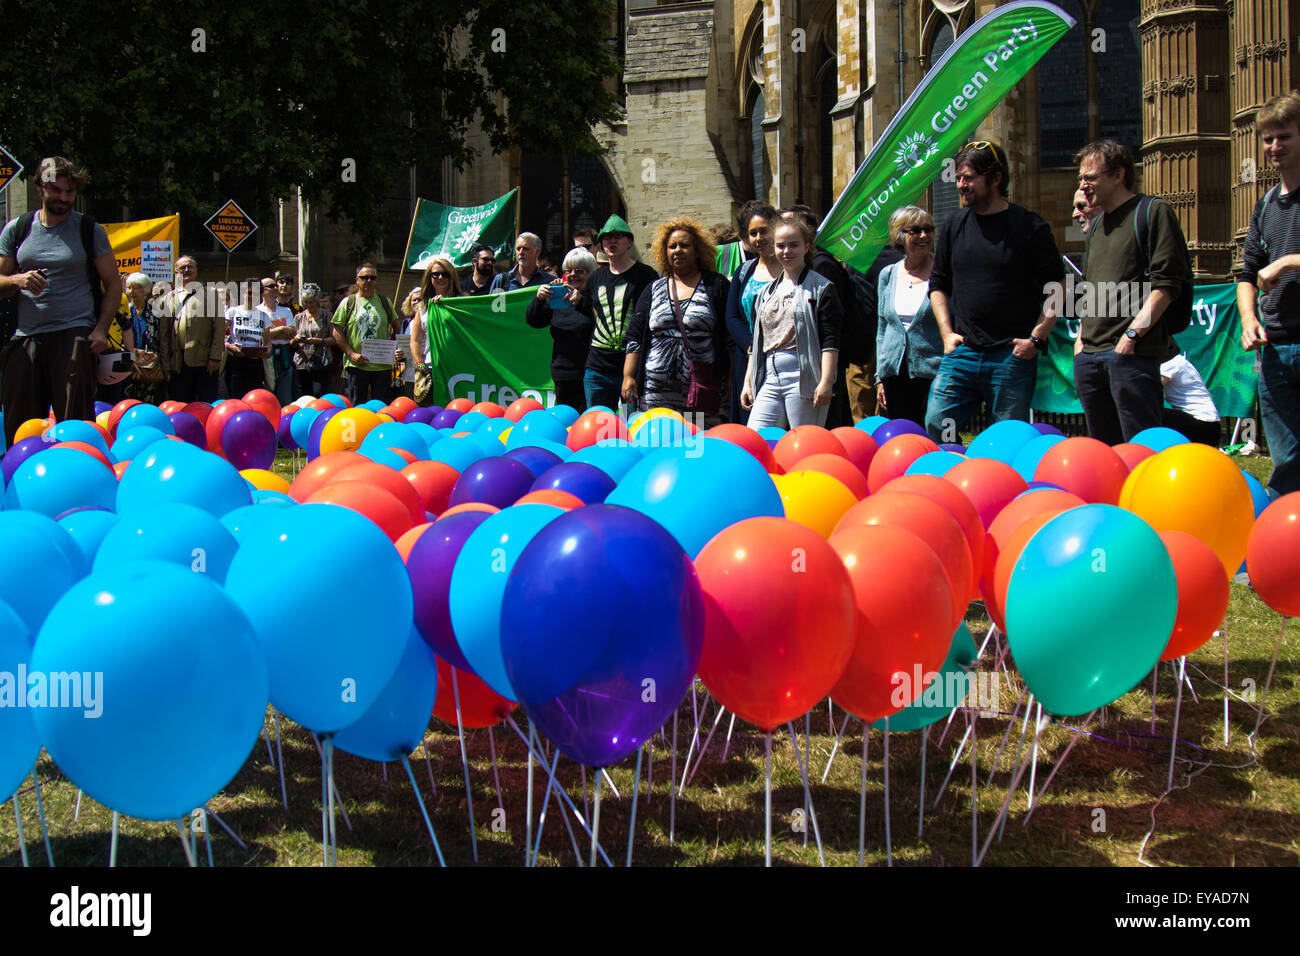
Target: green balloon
950 689
1090 607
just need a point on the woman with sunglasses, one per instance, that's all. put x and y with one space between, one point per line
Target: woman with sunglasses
908 344
568 311
439 281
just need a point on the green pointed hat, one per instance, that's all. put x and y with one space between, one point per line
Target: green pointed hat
616 224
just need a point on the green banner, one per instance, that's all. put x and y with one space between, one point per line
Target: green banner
1211 342
484 350
969 80
730 258
452 231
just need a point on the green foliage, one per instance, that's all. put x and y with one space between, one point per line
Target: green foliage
276 95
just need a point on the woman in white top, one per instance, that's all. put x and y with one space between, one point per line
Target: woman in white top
1192 411
908 345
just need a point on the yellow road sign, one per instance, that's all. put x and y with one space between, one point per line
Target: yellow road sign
231 225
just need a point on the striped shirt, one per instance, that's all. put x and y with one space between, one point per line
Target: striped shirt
1275 232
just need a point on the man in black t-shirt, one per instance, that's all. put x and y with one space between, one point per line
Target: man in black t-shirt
994 263
614 289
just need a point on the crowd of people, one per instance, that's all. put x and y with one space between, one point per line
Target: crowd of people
946 320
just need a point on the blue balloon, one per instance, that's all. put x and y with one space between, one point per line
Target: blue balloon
612 456
697 494
495 426
21 451
39 562
172 678
100 408
1003 440
300 425
601 601
130 442
329 654
176 533
537 459
1159 438
19 743
459 453
374 405
470 421
383 456
249 521
870 423
427 433
446 418
566 415
87 527
1031 453
396 435
478 582
537 425
75 430
394 725
1039 486
312 445
662 432
177 471
584 481
335 399
771 433
59 479
895 427
268 496
934 463
1258 493
142 414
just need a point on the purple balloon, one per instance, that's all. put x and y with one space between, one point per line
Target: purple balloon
537 459
318 426
498 481
446 418
189 428
248 440
577 478
422 416
1047 429
101 408
19 453
282 432
956 449
430 565
895 427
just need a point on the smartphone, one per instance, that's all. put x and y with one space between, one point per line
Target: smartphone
558 293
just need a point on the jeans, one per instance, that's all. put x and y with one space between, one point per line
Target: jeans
1279 405
602 388
1121 395
779 401
967 377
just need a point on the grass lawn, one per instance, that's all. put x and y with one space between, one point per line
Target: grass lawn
1234 805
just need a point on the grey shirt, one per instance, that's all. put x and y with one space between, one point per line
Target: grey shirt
66 303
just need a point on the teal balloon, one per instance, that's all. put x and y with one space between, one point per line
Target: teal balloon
19 743
459 453
131 442
951 688
612 456
178 534
870 423
697 492
1031 453
427 433
1159 438
537 426
172 690
495 426
566 415
39 562
1090 607
1003 440
150 416
56 480
76 430
937 463
394 725
470 421
395 435
177 471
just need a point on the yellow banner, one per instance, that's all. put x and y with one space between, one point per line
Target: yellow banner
149 246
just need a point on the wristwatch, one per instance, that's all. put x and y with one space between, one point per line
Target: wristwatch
1038 343
1132 333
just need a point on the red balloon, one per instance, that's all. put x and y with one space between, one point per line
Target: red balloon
212 428
402 406
1085 467
1132 454
403 454
958 505
989 484
748 439
778 631
87 448
838 468
1273 555
490 409
433 481
460 405
480 705
264 402
200 410
120 467
594 426
381 476
1202 593
552 496
933 524
171 406
995 600
903 618
521 407
895 456
407 541
320 471
469 506
320 404
118 411
1006 524
376 504
858 446
805 440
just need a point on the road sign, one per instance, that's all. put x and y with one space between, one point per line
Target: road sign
231 225
9 167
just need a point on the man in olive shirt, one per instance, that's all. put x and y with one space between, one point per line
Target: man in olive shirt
1122 339
366 315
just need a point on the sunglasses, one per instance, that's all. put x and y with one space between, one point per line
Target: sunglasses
985 144
441 275
919 230
367 278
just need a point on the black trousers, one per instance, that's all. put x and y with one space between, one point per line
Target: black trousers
907 397
193 383
48 370
1121 395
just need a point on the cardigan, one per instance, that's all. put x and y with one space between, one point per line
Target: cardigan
817 320
919 345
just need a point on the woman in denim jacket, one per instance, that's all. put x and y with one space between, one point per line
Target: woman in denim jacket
908 344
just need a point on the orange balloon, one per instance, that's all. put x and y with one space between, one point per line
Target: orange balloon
858 446
1273 555
1133 454
903 616
33 428
931 522
594 426
217 421
552 496
895 456
957 504
995 600
320 471
402 406
1202 593
490 409
87 448
805 440
480 705
841 469
265 480
120 467
381 476
814 499
989 484
460 405
406 542
432 481
386 414
1084 467
469 506
376 504
264 402
521 407
748 439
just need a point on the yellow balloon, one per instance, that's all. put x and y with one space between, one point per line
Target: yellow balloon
32 428
1198 490
265 480
346 430
102 418
505 435
814 499
385 417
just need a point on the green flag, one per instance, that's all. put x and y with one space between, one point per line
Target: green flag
730 257
483 350
452 231
971 77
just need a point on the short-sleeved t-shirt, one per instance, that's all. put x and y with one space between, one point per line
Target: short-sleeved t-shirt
368 320
67 302
245 327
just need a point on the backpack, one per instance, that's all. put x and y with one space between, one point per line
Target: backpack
1178 314
9 306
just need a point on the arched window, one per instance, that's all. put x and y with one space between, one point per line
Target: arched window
943 193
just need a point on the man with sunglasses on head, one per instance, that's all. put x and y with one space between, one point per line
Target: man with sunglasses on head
994 262
365 315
